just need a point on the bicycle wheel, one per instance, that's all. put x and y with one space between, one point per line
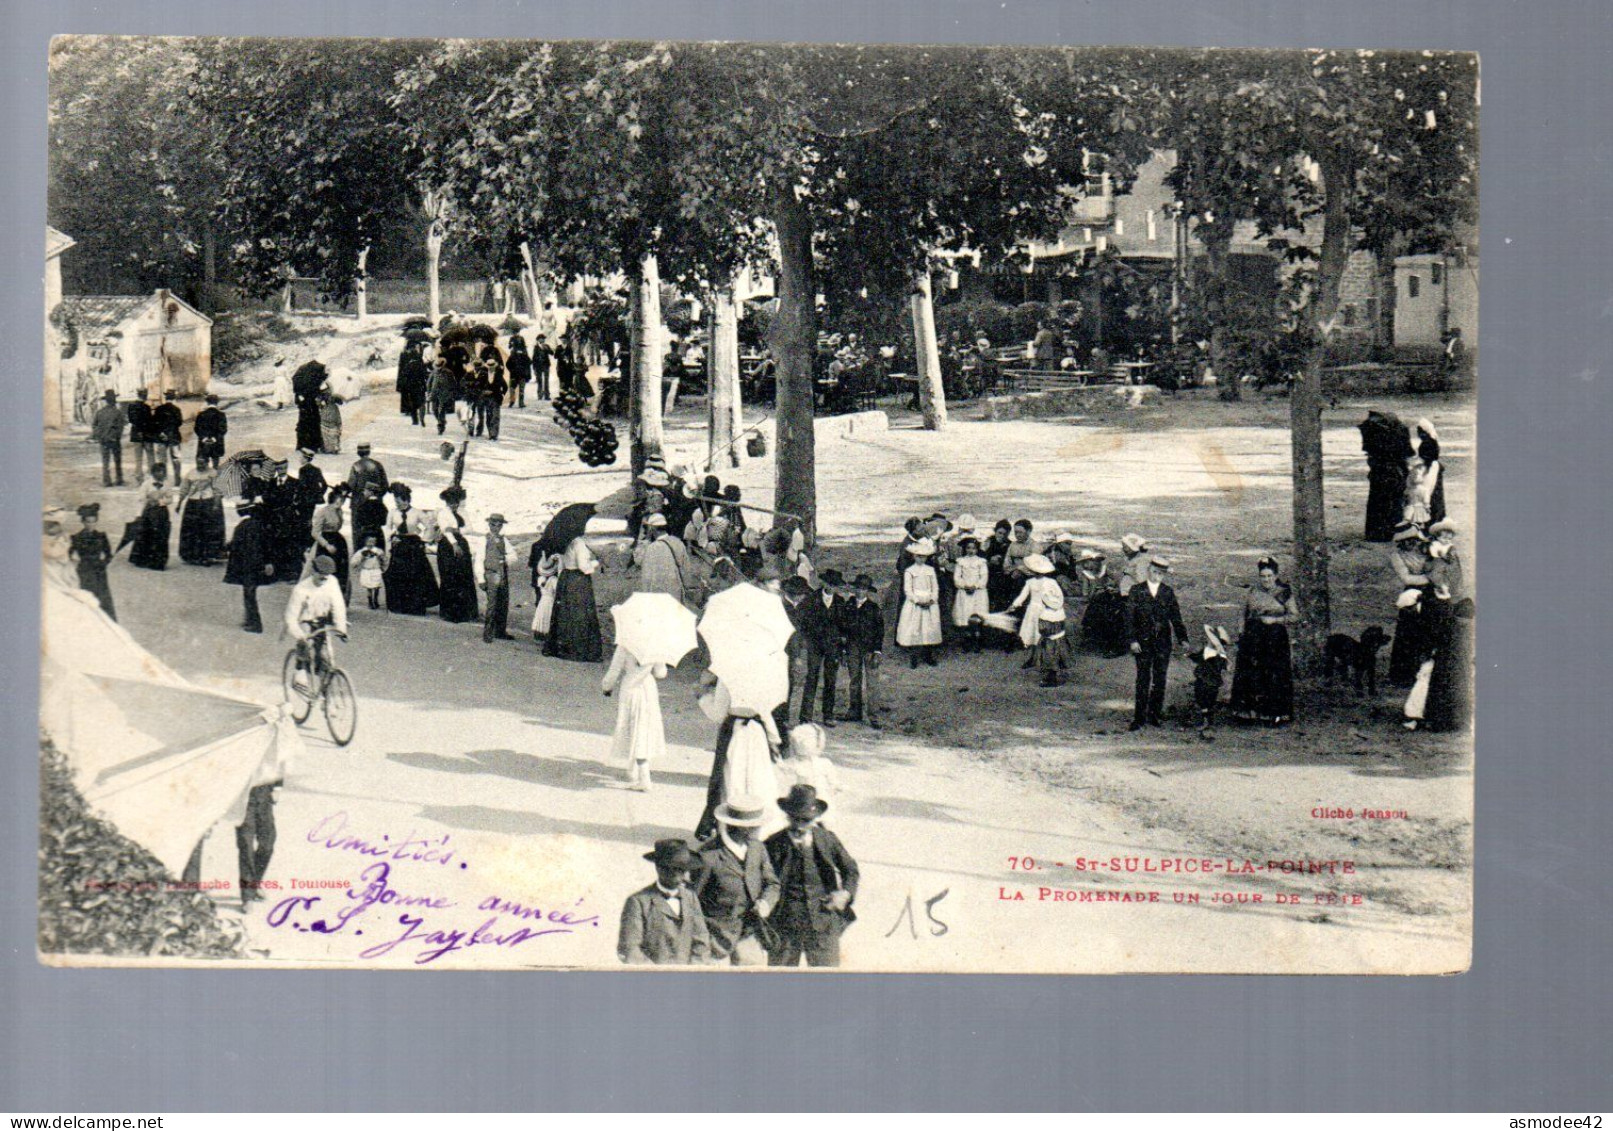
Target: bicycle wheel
341 707
298 690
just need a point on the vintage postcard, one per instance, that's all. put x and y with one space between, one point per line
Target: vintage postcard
517 504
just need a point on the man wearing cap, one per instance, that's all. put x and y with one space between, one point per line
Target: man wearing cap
735 883
542 362
496 582
818 619
1152 615
366 471
166 422
862 625
107 428
316 602
210 426
91 549
662 924
248 565
818 882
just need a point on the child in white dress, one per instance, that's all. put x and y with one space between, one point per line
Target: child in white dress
807 765
369 566
972 603
918 629
640 737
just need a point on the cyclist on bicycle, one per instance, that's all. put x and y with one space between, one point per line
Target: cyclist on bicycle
317 602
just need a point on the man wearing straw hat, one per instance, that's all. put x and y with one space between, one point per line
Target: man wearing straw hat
496 582
1152 615
662 924
735 883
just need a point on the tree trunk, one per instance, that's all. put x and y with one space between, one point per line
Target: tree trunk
529 282
795 342
644 413
722 381
361 286
209 269
1217 244
932 390
433 258
1305 407
1383 330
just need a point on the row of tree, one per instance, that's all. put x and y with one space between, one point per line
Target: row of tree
837 168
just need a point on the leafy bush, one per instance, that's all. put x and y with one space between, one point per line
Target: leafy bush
973 317
1027 319
100 893
241 337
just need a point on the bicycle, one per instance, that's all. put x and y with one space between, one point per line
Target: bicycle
325 683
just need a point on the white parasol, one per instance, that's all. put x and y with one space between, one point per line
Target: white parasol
655 628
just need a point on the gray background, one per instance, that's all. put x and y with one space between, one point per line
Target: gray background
1526 1030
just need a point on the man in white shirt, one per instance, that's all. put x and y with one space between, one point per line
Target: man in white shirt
316 602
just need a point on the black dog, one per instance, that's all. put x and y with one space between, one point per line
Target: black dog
1355 658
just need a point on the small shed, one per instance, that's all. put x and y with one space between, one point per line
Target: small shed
153 342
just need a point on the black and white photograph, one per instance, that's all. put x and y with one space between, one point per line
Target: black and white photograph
519 504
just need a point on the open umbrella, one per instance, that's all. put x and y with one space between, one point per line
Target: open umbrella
236 472
748 606
756 674
305 382
565 527
655 628
417 322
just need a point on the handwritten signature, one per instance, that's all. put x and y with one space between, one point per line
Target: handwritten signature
311 914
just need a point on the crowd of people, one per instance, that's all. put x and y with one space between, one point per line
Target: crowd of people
760 879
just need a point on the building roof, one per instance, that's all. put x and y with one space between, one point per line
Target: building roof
56 242
103 312
106 312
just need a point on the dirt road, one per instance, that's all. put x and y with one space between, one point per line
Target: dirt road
999 826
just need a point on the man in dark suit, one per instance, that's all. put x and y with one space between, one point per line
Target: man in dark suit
663 925
542 362
1152 615
736 884
862 624
817 619
211 426
818 881
166 424
141 433
248 564
108 432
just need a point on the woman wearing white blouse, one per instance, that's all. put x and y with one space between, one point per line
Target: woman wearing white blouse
574 631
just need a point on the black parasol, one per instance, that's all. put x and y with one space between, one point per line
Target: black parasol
565 527
309 377
417 322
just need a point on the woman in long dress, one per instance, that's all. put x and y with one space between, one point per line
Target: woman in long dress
330 423
918 629
155 524
1410 561
201 522
574 633
1449 705
1103 625
748 769
326 528
411 588
455 568
1263 683
640 738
